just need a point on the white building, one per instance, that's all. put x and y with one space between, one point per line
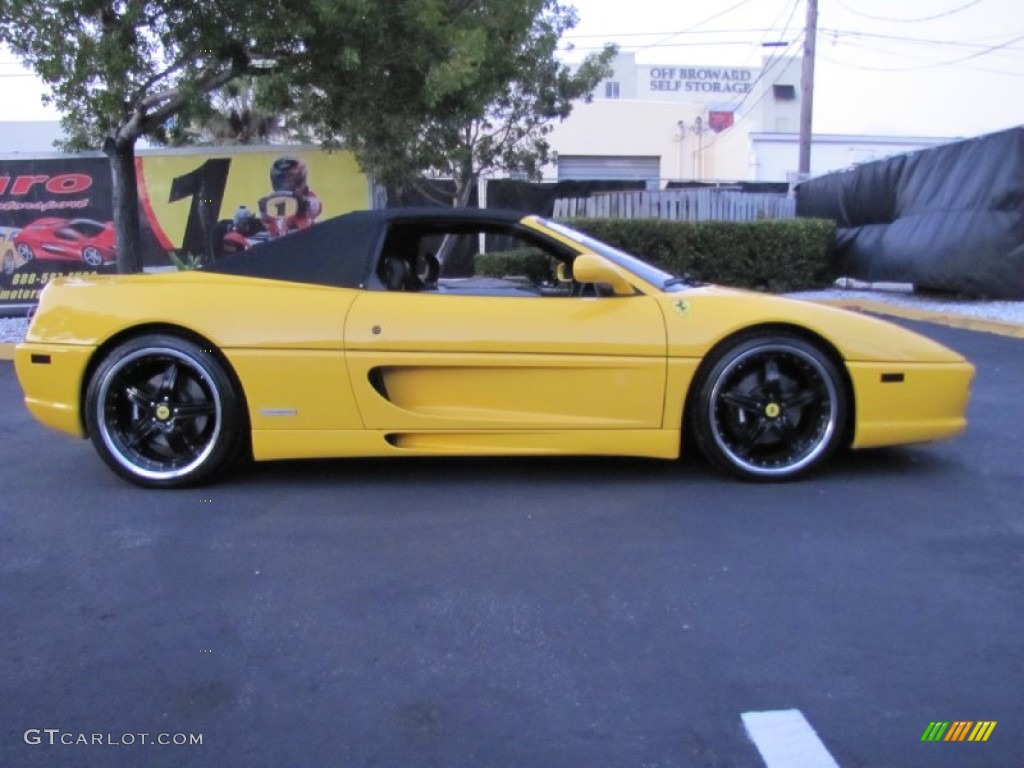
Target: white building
660 123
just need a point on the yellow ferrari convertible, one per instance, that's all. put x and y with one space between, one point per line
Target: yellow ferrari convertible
462 332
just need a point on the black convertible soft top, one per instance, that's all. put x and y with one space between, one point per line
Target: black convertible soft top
342 251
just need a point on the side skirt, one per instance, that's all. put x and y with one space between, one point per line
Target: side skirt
309 444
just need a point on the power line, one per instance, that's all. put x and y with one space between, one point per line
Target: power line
934 65
764 93
840 33
785 28
719 44
662 32
981 42
856 12
730 9
930 65
976 68
835 33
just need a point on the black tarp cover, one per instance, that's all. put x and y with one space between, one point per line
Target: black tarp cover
948 218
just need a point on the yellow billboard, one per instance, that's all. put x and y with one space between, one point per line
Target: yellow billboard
196 205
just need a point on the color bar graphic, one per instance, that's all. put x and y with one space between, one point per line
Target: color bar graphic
958 730
982 730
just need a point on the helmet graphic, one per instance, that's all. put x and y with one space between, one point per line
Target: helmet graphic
288 174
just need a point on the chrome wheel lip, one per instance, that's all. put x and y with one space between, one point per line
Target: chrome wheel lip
821 441
92 256
117 451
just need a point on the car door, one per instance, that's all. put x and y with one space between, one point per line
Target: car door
437 361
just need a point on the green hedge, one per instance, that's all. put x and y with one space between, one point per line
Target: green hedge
771 255
529 262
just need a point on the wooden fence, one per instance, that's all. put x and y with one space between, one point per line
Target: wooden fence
680 205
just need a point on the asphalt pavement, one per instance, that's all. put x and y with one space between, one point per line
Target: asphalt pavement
516 612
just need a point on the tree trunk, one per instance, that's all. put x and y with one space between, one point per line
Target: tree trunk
126 204
464 187
463 191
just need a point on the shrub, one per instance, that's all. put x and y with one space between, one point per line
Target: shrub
529 262
777 255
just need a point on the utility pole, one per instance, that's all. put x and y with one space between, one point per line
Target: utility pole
807 89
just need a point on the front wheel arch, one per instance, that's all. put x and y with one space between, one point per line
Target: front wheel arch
690 445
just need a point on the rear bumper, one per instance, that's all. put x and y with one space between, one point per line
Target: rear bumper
51 377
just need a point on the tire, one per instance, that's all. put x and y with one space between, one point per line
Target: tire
768 406
9 263
27 254
92 256
163 412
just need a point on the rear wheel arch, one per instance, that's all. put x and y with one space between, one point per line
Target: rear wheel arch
164 408
168 329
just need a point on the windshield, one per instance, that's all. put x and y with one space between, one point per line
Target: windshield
87 227
647 272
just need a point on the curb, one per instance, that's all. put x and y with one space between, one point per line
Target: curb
1014 330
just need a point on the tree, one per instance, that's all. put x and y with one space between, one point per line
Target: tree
120 69
478 93
444 86
235 115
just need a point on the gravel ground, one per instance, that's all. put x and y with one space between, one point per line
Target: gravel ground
13 329
902 294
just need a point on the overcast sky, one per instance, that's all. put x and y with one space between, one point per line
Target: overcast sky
899 67
882 66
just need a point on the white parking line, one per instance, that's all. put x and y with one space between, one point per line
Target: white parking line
786 740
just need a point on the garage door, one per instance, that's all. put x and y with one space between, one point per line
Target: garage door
608 168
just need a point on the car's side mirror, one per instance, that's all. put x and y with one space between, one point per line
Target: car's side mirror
590 268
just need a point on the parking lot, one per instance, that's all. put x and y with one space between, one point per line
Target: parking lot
526 612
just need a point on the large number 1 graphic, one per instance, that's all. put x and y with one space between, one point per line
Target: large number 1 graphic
206 186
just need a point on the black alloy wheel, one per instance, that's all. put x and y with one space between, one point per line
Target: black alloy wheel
162 412
769 406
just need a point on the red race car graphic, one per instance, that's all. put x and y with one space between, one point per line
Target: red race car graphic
83 240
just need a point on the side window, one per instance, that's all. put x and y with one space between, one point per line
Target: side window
474 261
493 263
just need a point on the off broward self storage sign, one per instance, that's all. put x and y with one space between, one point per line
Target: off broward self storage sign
56 212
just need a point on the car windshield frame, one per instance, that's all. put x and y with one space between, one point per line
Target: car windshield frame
655 276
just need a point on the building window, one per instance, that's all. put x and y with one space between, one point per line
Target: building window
784 92
611 89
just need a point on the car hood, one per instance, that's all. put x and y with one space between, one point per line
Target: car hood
700 317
